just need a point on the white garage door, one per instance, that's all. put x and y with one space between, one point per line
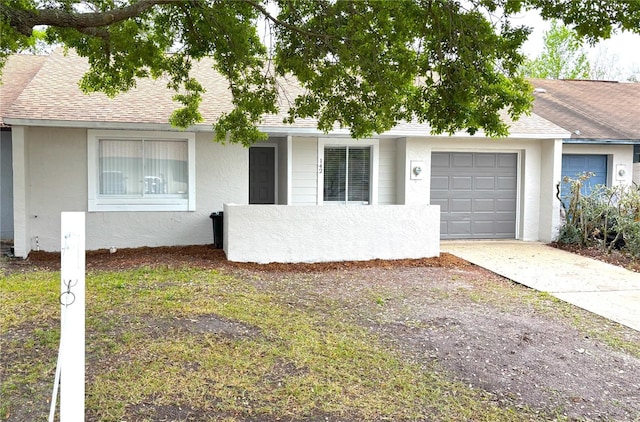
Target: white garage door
477 194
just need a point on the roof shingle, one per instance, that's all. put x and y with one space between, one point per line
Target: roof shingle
16 75
53 95
590 109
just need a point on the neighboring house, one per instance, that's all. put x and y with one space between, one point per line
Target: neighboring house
300 196
603 119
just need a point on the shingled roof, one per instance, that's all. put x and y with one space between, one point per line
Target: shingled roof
590 110
16 75
52 97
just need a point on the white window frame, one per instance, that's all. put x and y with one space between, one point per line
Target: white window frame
375 158
97 202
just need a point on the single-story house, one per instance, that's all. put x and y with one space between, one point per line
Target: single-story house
302 195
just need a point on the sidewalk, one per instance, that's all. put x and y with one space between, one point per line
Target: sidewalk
601 288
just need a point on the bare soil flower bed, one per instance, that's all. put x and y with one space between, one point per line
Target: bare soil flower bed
616 257
205 256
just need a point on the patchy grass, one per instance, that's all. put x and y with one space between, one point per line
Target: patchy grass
509 296
199 345
589 324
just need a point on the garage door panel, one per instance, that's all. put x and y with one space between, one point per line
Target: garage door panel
459 228
439 159
463 160
485 182
483 228
460 205
506 205
443 203
503 229
507 161
484 205
461 182
506 183
485 160
440 183
477 194
596 161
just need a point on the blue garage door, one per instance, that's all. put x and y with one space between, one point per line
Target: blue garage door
575 164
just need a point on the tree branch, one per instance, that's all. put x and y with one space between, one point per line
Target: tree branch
25 20
279 22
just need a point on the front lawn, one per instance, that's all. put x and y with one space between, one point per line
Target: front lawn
198 345
201 345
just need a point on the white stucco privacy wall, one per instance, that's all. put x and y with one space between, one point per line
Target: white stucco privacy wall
267 233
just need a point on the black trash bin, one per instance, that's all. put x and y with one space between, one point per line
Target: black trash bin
217 220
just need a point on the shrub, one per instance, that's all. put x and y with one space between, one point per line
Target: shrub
570 235
607 216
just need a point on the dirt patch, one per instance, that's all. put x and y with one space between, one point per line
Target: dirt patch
214 324
150 411
472 323
521 348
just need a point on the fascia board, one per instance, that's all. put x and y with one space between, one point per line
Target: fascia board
587 141
273 130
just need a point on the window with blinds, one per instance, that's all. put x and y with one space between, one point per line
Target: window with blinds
140 170
347 174
143 167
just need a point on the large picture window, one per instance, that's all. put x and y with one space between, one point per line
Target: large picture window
151 171
347 171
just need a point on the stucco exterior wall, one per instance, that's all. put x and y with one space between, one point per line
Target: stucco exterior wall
550 174
21 182
267 233
416 189
620 157
57 172
51 177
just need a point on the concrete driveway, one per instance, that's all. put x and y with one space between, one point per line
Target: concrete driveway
601 288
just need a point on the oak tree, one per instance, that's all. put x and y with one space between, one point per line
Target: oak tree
364 65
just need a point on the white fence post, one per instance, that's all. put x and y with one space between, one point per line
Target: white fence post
72 330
